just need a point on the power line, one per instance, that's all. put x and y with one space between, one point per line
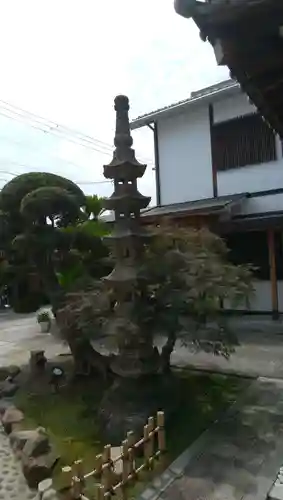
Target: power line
39 119
51 127
75 141
26 146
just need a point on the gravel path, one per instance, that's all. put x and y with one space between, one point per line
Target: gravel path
12 481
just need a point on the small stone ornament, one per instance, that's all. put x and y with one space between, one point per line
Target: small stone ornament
57 375
37 362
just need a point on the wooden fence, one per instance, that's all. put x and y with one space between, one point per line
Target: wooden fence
109 481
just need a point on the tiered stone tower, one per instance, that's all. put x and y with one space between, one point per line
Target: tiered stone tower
127 240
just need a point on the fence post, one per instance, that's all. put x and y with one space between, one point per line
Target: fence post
98 467
161 433
131 452
106 477
100 492
65 483
151 441
146 445
78 479
125 470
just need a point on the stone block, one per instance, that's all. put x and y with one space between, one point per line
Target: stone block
13 371
37 444
37 362
276 492
46 490
18 439
36 469
4 404
11 416
8 388
44 486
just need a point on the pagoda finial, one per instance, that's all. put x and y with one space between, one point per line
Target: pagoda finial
123 139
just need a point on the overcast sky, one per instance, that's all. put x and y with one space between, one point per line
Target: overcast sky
67 59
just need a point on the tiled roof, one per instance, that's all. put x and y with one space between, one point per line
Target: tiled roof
208 92
207 205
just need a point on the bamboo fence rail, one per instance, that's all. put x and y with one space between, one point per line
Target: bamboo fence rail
110 483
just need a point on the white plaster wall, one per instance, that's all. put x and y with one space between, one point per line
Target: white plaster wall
185 157
251 178
260 204
232 107
261 299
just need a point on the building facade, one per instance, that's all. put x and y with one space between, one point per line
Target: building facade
219 163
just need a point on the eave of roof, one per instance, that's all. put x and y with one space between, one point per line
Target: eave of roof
196 98
217 10
231 9
263 84
207 206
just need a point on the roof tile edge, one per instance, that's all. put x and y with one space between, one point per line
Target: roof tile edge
211 91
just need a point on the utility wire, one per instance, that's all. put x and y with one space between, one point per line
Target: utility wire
65 133
43 121
56 129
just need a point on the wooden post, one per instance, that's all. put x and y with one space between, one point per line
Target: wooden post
161 432
65 483
78 478
131 451
98 467
151 441
106 478
213 164
273 276
100 492
146 445
125 470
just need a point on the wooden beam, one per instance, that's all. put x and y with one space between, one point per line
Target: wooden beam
273 276
213 165
157 164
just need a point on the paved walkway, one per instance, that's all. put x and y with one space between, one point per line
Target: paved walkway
238 458
19 334
260 352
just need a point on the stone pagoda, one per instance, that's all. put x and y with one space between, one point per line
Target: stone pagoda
127 241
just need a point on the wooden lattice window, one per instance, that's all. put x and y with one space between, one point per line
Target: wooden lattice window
242 141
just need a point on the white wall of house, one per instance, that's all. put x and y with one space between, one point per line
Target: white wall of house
261 299
262 204
186 171
186 163
251 178
232 107
185 157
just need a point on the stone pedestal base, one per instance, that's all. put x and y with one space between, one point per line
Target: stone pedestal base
129 402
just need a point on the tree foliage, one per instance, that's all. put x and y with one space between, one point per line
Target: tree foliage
184 278
14 191
47 221
188 278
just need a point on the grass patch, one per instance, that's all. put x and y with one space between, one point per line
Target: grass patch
70 417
